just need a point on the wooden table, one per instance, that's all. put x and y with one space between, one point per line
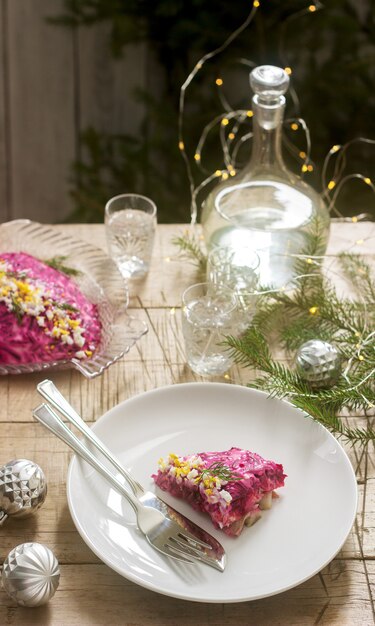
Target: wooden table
91 593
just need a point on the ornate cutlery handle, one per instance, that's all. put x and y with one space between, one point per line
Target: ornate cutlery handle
46 416
50 392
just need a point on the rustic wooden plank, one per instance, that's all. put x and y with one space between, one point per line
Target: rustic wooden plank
42 117
343 235
94 595
170 274
90 593
4 136
367 521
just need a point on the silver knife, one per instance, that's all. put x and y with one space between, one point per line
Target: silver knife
49 391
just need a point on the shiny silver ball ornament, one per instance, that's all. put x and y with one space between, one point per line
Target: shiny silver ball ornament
23 488
30 574
318 363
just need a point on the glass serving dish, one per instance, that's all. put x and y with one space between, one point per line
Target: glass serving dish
99 280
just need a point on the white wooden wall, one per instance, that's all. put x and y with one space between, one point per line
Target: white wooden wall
55 82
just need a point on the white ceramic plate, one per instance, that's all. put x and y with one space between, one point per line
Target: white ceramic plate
302 532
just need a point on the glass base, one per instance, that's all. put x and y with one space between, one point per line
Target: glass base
215 365
133 268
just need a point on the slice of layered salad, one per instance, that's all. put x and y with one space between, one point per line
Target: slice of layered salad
44 316
232 487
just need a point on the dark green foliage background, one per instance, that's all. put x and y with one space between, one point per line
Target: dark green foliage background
331 51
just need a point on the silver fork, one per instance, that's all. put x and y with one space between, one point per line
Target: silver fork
164 534
50 392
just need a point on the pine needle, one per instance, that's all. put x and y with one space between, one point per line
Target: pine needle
190 247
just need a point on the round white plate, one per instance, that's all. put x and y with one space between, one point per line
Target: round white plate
297 537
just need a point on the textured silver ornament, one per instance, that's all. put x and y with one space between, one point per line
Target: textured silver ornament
318 363
31 574
23 488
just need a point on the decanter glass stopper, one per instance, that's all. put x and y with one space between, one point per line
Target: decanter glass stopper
269 83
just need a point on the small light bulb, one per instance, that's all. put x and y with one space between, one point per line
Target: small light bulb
181 145
331 184
250 113
313 310
256 3
231 136
218 173
335 149
219 82
294 126
361 358
309 261
224 176
197 156
224 121
304 167
367 181
354 219
288 70
310 168
302 154
312 8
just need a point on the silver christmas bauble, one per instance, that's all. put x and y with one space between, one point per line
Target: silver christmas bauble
23 488
318 363
31 574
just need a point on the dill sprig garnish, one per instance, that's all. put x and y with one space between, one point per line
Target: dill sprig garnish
57 263
18 275
65 306
17 310
221 471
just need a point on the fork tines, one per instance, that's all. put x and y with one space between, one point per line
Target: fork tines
186 546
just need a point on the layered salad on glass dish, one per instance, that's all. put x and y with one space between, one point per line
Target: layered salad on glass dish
44 316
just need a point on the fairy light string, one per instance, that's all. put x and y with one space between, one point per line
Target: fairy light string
333 187
231 123
198 66
234 133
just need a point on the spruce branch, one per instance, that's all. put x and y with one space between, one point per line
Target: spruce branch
356 268
278 380
312 309
334 424
190 248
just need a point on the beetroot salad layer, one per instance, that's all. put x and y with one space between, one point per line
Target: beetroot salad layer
43 314
230 486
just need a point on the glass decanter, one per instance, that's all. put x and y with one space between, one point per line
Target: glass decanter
266 207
